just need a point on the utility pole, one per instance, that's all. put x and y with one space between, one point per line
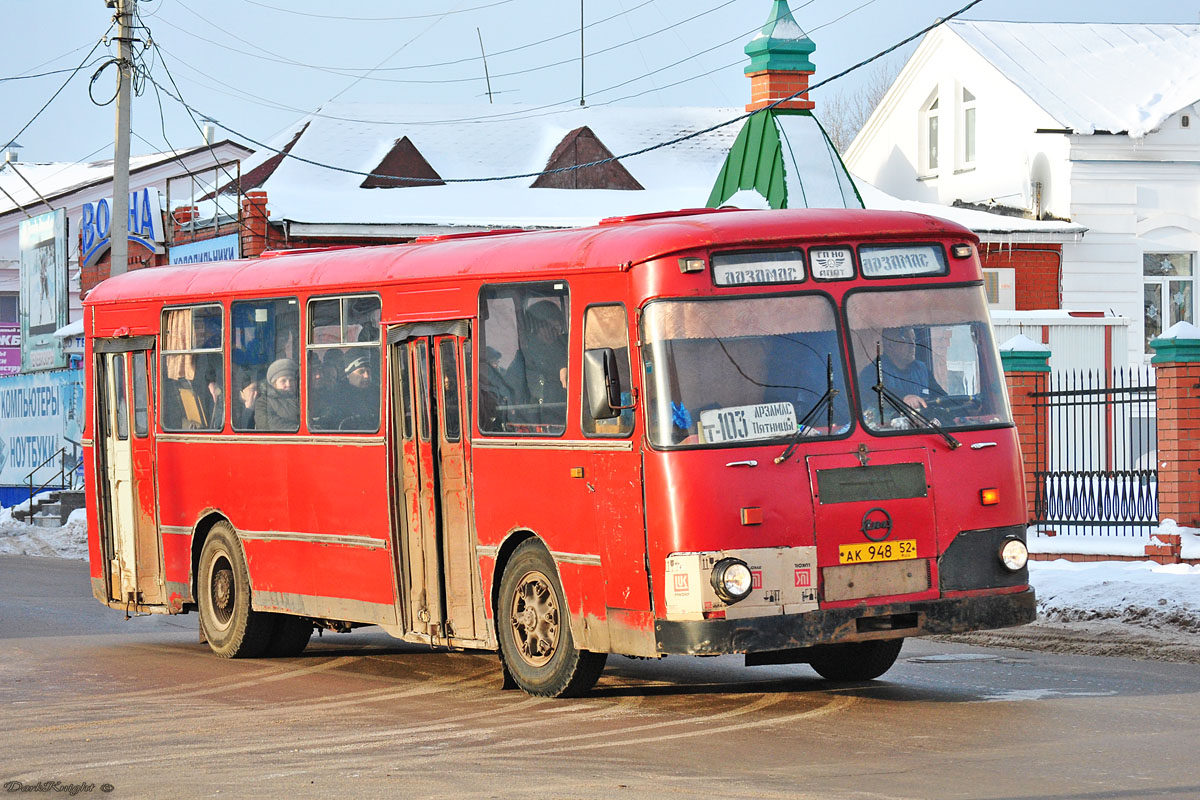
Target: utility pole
119 229
581 100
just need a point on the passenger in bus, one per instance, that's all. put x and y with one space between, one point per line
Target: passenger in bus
496 394
904 374
322 390
277 407
540 368
360 396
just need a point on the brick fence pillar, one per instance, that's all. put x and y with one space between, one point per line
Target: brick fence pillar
1026 371
1177 375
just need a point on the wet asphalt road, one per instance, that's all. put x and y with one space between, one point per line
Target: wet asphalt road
140 707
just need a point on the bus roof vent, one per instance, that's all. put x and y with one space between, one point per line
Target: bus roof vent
683 212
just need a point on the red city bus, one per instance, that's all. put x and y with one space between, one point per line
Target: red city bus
778 433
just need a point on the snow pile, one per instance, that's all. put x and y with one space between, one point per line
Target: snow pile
20 539
1142 593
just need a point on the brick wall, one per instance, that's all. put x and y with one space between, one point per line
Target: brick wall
768 86
1038 272
1026 417
139 258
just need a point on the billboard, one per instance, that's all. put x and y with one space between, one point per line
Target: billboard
39 414
145 225
44 252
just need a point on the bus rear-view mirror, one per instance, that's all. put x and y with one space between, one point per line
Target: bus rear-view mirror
603 382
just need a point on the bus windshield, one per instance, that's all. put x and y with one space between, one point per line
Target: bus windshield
928 351
728 372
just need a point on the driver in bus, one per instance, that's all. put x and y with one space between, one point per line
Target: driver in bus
904 374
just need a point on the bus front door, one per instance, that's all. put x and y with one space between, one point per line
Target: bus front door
128 508
439 573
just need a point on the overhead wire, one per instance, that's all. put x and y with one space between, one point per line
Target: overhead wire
102 40
632 154
376 19
350 71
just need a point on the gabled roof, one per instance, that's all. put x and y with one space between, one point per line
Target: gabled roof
54 180
494 140
1110 77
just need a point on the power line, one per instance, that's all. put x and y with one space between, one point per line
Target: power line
349 71
633 154
70 77
375 19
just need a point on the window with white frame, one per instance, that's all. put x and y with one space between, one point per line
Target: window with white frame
929 135
1168 283
968 128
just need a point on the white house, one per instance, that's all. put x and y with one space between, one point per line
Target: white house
1092 123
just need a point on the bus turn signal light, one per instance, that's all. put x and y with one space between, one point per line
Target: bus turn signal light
989 497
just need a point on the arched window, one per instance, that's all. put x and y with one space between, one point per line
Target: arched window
929 135
968 128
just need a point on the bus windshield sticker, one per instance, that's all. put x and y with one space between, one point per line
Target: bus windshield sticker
896 261
745 423
741 269
831 263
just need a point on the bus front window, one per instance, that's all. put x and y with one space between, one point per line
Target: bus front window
926 350
727 372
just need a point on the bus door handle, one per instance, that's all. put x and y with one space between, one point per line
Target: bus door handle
981 445
742 464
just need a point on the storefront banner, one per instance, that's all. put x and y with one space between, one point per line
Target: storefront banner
10 349
43 241
145 225
222 248
39 414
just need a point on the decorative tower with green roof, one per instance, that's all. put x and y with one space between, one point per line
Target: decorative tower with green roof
782 152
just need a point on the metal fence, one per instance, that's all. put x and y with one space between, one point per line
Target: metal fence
1096 433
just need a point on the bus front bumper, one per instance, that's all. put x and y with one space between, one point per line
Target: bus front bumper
831 626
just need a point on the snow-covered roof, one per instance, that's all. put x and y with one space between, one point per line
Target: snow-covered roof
488 141
983 223
56 179
1113 77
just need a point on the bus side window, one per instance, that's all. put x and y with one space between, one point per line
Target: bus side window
266 371
607 326
192 392
523 358
344 364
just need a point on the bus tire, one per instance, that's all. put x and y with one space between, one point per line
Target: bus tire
233 630
536 647
290 637
855 661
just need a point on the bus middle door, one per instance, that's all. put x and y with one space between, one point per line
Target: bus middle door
129 511
441 588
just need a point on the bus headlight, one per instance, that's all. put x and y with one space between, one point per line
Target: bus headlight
1014 555
731 579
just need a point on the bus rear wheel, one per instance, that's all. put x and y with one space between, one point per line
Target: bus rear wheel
233 630
290 636
855 661
536 646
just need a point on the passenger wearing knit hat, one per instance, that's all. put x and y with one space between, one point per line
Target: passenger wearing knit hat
281 367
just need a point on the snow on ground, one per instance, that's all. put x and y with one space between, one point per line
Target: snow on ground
1140 596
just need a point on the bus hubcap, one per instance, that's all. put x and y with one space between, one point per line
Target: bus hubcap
222 594
534 619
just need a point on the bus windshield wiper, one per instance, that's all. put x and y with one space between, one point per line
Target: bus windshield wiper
908 411
825 401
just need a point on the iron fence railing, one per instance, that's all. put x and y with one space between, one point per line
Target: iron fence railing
1095 436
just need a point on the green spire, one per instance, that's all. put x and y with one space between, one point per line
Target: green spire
781 45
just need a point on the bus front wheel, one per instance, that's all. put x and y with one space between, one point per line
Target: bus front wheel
855 661
536 646
233 630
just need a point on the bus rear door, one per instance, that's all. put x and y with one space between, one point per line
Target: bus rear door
128 511
441 594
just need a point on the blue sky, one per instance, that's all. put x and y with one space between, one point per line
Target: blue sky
257 65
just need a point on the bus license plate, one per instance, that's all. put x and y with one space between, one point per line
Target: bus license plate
877 551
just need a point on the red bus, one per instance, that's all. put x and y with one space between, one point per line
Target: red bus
778 433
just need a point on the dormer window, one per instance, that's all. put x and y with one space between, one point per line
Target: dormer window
968 128
929 135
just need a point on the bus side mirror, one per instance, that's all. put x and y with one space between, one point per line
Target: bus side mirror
603 383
